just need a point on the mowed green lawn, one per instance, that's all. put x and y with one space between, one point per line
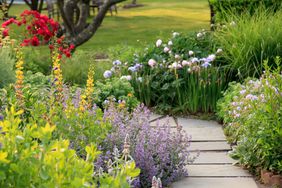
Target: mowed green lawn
138 26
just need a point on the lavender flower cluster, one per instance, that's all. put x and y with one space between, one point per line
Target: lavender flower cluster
158 151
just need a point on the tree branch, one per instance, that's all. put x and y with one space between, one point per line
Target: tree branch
28 3
87 33
67 22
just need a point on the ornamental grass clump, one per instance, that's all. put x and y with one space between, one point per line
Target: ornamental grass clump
248 40
158 151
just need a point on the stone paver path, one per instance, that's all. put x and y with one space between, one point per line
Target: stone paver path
213 168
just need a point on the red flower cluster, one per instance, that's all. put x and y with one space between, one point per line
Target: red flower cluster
63 48
39 30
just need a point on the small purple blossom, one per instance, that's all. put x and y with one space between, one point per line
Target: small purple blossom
194 60
132 69
206 64
107 74
117 62
251 97
210 58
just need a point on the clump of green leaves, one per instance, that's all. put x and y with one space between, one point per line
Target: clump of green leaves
115 90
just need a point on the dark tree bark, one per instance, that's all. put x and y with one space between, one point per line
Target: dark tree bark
35 4
212 15
5 6
77 30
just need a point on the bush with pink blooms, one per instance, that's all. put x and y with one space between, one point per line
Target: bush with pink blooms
252 114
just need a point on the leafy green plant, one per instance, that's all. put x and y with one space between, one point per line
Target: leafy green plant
247 40
115 90
37 60
75 69
7 62
252 114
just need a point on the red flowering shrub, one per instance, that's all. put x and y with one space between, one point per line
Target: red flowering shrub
40 30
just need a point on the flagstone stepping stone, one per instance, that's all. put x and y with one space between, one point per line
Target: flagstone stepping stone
234 182
209 146
213 158
196 123
205 134
216 171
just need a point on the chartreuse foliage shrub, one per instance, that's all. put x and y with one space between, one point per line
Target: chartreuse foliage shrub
29 157
252 114
182 74
247 40
223 8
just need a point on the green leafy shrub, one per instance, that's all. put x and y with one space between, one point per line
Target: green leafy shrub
7 62
249 40
75 69
37 60
115 90
223 8
252 114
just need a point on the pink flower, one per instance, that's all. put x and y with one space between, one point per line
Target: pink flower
152 62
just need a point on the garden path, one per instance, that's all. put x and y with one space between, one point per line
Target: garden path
213 168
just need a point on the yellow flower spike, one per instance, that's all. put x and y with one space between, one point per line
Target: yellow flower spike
19 77
58 77
82 103
90 86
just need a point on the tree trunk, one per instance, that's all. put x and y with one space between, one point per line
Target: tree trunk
36 5
78 31
5 8
212 15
